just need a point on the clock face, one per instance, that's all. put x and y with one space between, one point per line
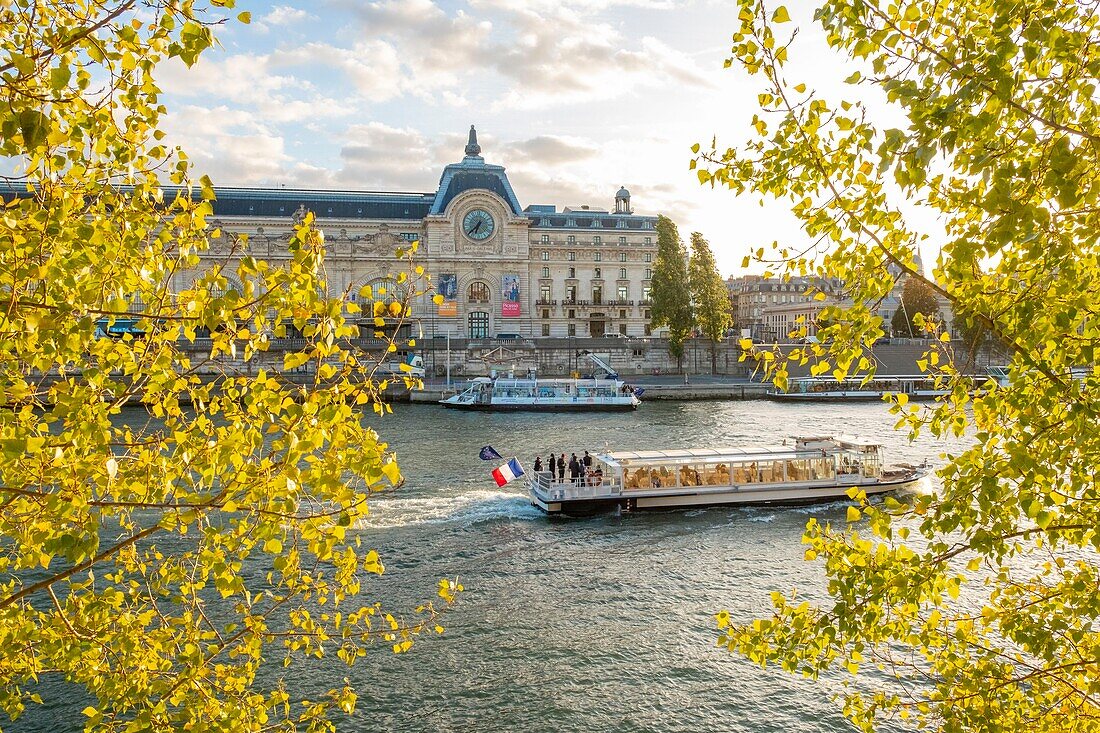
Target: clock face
478 224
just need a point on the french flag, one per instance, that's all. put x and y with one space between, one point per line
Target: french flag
507 472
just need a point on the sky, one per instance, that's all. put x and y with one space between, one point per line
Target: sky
574 97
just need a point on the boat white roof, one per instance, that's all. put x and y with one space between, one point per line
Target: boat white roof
527 382
751 453
705 454
842 440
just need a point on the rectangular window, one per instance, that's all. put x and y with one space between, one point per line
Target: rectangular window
622 328
622 257
622 240
545 256
545 312
649 257
598 256
572 272
479 325
645 294
648 274
545 239
572 256
596 240
646 315
546 329
622 314
648 330
572 329
544 293
572 314
598 276
597 296
571 239
546 272
622 273
571 294
623 290
649 240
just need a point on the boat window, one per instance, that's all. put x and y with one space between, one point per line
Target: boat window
822 468
690 476
771 471
872 462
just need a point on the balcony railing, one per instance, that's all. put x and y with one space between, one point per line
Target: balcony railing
540 301
620 303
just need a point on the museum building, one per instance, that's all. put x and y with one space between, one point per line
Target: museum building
504 270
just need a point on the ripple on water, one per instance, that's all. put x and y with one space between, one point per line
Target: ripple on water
465 509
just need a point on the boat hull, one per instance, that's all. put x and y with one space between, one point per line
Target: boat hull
541 407
733 496
852 396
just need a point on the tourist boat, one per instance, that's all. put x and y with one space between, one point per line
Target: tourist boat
811 469
807 389
604 391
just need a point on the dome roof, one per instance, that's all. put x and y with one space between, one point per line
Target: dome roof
623 193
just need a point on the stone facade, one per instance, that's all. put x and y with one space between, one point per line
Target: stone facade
507 271
768 309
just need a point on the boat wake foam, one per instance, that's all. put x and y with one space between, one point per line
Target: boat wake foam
469 508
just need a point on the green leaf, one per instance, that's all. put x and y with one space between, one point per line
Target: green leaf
34 126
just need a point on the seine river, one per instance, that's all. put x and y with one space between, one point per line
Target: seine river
601 624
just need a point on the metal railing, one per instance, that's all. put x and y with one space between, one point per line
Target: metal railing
569 490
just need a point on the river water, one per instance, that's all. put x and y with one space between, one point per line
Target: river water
600 624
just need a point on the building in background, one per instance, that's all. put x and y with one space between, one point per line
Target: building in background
769 310
505 270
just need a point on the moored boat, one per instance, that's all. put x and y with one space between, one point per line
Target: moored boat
503 393
812 469
807 389
603 391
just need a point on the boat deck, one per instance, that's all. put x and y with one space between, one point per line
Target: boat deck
811 469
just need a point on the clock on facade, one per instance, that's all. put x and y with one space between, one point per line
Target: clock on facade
478 224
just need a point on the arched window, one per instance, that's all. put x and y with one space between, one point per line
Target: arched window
386 298
479 326
479 292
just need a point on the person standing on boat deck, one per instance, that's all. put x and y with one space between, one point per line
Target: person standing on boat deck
561 468
553 467
538 463
574 468
586 468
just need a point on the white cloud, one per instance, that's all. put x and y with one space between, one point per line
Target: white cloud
229 145
549 149
285 15
544 53
377 156
372 67
251 81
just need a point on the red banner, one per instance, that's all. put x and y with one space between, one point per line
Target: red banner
509 309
